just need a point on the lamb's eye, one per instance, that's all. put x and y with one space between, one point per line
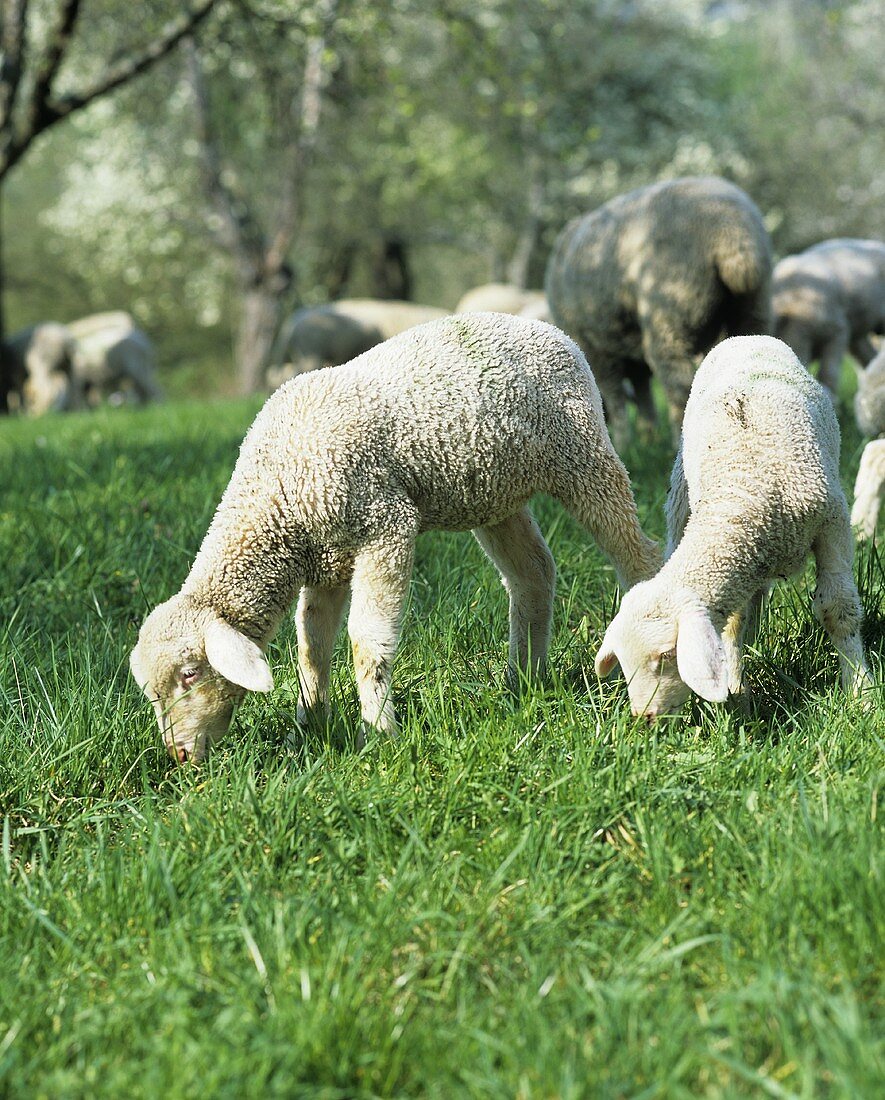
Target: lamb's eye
664 658
189 677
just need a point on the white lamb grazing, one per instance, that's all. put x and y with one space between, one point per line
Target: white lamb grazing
755 487
452 425
869 488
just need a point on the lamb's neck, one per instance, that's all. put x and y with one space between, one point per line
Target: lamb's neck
249 567
716 562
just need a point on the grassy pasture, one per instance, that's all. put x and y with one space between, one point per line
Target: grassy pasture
533 898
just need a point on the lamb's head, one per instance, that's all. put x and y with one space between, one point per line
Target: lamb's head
194 668
667 647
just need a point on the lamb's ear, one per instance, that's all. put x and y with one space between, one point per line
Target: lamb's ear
700 656
606 658
237 657
136 667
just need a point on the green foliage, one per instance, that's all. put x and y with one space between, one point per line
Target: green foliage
536 897
470 132
802 84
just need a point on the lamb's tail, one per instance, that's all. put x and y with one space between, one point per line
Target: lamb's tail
744 266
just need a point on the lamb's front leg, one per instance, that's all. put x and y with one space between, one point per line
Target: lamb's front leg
836 602
379 588
732 637
741 624
518 549
317 619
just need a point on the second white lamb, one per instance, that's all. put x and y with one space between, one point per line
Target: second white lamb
754 489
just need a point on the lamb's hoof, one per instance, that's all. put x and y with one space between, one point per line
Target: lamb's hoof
311 718
389 729
862 688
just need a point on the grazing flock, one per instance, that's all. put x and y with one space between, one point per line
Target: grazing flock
55 367
429 420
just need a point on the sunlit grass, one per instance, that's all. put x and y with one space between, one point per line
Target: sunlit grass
533 897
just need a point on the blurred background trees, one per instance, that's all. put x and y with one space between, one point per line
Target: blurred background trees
51 68
307 150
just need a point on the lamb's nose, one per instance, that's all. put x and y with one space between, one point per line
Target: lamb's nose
177 752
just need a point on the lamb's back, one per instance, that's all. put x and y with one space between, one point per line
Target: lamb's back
758 424
465 418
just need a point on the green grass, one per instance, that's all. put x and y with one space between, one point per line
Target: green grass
534 898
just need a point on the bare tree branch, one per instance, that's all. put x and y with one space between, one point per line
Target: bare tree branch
12 44
131 66
48 66
43 110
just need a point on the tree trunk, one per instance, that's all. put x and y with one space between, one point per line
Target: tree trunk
340 268
259 320
521 261
6 368
391 273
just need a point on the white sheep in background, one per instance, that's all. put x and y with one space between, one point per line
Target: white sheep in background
869 409
755 487
869 400
827 300
453 425
41 358
651 280
505 298
63 367
334 333
111 350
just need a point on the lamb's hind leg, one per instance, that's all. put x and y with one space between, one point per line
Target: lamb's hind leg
517 548
317 619
669 355
836 602
379 588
